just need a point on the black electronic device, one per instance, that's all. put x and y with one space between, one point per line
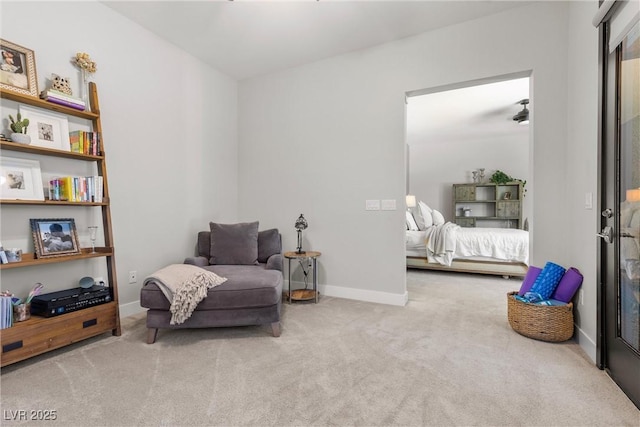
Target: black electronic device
68 300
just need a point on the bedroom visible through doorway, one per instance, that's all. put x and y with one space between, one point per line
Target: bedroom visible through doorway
460 140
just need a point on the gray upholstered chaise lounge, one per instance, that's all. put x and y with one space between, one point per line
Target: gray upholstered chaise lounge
252 294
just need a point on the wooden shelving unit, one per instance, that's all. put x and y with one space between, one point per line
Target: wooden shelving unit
29 260
491 205
13 146
52 203
38 334
94 114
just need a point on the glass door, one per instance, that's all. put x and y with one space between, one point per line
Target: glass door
620 252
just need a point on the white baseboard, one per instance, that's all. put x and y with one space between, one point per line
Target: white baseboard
365 295
357 294
586 343
131 308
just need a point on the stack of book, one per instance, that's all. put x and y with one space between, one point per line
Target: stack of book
60 98
6 312
77 188
85 142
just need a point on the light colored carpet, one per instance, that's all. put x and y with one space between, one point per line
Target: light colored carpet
448 358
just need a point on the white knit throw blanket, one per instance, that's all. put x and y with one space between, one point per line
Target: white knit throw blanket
441 242
185 286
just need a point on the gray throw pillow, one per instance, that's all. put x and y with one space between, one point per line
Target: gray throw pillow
234 244
268 244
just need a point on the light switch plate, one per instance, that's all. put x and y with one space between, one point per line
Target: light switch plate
588 200
389 205
372 205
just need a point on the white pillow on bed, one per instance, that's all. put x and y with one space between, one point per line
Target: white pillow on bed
438 218
424 207
427 217
418 217
411 222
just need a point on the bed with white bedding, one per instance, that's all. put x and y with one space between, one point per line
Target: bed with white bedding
500 251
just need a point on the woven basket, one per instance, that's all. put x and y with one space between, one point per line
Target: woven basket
553 323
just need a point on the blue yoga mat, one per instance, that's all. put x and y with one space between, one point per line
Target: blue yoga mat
546 282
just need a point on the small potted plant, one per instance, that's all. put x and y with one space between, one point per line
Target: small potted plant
500 177
19 128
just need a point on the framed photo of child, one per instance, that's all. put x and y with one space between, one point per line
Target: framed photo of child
55 237
17 69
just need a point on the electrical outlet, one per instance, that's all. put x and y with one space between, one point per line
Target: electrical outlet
133 276
99 281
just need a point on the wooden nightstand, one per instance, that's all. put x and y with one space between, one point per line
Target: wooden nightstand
304 294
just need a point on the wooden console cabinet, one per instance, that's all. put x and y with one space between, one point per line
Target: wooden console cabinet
39 335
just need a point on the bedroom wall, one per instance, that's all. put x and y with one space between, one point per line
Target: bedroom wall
434 167
322 138
169 126
582 166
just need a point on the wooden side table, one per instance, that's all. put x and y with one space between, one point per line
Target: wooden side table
304 294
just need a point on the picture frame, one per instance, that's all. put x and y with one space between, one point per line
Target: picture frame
47 129
3 256
20 179
53 237
18 69
507 195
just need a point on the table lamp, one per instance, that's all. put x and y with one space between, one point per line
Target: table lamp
301 224
411 201
633 195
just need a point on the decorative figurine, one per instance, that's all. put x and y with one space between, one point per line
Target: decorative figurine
61 84
481 175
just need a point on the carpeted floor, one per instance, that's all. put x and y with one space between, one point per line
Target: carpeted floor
449 358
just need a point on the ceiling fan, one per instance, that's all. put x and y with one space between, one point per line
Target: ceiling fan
523 116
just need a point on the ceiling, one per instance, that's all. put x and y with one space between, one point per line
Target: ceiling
246 38
477 112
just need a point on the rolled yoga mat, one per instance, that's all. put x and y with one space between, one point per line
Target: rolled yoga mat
568 285
546 282
529 279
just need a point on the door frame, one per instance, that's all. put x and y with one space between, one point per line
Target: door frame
609 156
601 347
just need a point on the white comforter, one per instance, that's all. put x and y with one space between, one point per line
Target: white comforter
504 244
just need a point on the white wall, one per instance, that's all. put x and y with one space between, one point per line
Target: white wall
322 138
318 139
434 167
169 124
582 165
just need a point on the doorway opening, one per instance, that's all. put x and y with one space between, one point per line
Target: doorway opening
461 135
